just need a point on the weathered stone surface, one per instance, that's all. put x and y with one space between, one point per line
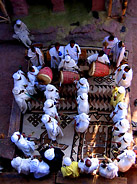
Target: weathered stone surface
84 29
132 8
111 27
20 7
116 7
58 5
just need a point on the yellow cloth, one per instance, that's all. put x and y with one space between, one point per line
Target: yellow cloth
117 97
71 170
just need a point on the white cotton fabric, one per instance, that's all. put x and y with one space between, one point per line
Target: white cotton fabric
110 43
122 125
67 161
52 93
73 51
83 105
49 154
103 59
127 159
82 122
82 86
88 170
23 144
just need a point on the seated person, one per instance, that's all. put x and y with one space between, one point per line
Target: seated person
68 64
36 56
73 50
56 53
101 57
22 33
70 168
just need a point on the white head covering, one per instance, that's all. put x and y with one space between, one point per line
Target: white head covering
122 105
48 103
18 22
50 87
16 76
34 165
83 117
121 89
128 137
45 118
15 90
67 161
14 137
16 162
49 154
67 58
83 81
36 71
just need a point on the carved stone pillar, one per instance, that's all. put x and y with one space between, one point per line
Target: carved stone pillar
58 5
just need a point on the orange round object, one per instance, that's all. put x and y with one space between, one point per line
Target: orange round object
67 77
45 75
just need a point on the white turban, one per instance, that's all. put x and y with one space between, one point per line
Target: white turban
67 58
18 22
48 103
15 90
34 165
49 87
14 137
83 81
122 105
45 118
16 76
83 117
67 161
84 96
121 89
49 154
16 162
128 137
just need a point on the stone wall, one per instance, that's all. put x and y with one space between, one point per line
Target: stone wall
20 7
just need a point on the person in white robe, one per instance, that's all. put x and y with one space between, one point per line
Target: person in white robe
21 165
20 79
123 142
108 170
52 93
121 126
36 57
39 169
126 160
88 165
50 109
73 50
22 98
82 86
110 41
22 33
83 105
27 147
68 64
117 53
56 53
82 122
120 112
101 57
124 75
52 127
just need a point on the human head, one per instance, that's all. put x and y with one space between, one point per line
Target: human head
67 58
49 154
18 23
72 43
31 69
57 45
101 53
67 161
120 44
88 163
32 48
127 68
111 38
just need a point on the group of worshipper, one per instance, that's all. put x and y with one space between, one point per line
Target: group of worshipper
66 59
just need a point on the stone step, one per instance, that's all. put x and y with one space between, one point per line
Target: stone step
90 180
